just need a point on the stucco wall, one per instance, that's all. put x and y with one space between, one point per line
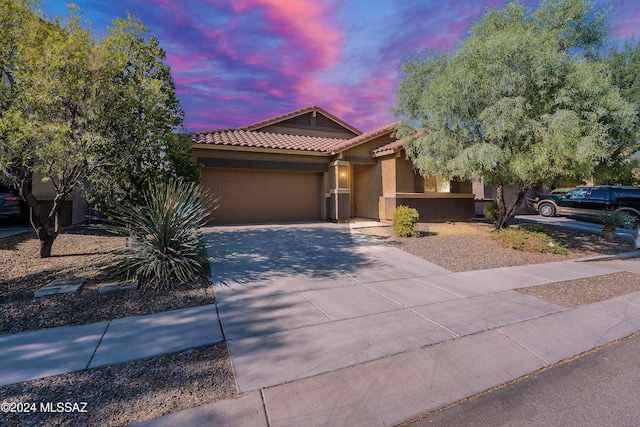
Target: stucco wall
367 186
405 175
388 170
433 206
248 154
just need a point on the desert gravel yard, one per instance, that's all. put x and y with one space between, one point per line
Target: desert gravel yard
148 388
79 253
467 246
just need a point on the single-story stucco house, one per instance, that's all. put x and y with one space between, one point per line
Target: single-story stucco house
309 165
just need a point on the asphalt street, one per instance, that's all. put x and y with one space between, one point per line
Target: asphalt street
601 388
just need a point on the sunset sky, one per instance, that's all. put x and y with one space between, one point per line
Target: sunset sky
236 62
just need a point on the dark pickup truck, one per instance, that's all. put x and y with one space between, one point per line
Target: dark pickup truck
589 201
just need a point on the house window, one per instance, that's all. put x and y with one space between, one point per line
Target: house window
437 184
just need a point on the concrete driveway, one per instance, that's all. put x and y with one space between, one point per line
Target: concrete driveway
301 300
12 230
326 326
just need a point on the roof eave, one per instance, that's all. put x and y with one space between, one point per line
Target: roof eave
376 133
274 120
208 146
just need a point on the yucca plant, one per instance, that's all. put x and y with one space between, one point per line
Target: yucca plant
616 219
165 245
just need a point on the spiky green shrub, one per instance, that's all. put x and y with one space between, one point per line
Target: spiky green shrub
166 246
616 219
404 222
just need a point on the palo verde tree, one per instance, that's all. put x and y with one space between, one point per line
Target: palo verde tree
69 104
522 100
49 121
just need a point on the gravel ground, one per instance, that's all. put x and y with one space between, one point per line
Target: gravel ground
122 394
467 246
574 293
144 389
79 253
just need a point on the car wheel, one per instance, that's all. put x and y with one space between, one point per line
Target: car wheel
635 216
546 209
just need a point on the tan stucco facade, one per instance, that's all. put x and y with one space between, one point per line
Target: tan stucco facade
280 185
74 209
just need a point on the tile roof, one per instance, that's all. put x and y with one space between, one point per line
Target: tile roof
390 148
252 136
296 113
245 138
368 136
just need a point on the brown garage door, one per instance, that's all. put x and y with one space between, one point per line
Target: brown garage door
250 196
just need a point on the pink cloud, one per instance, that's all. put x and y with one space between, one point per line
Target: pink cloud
627 26
240 61
307 25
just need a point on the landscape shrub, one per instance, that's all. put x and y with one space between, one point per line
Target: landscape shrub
616 219
404 222
529 238
165 245
491 211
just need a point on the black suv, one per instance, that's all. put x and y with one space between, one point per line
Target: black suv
590 200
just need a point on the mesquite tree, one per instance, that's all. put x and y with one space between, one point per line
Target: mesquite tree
524 99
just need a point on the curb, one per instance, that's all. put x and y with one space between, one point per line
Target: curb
623 255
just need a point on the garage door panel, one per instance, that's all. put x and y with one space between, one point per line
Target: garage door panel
249 196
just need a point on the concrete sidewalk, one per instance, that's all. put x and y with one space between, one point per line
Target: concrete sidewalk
38 354
396 388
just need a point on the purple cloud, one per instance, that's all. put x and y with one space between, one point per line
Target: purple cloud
237 62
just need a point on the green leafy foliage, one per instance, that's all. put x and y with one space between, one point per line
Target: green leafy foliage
404 222
491 211
620 166
81 111
522 100
166 246
562 190
530 239
142 118
616 219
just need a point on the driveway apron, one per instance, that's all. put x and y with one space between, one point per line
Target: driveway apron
305 299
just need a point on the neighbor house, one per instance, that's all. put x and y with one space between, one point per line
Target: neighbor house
309 165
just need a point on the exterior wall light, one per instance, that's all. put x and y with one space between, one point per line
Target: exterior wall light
343 176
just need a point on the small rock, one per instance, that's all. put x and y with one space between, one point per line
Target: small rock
109 288
60 286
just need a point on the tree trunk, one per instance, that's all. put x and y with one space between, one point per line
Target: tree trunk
22 179
42 227
507 211
45 245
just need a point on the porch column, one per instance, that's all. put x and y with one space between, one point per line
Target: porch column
340 191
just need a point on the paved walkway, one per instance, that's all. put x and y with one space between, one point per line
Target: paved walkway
327 326
38 354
